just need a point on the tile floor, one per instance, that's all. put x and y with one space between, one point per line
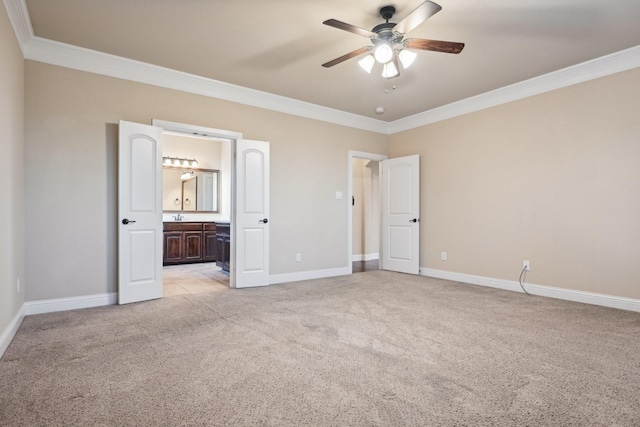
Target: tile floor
193 278
206 277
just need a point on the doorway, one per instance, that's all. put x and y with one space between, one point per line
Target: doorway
212 148
197 192
364 222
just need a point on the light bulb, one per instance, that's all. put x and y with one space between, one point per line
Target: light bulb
383 53
185 162
194 163
389 70
176 162
167 161
407 57
367 63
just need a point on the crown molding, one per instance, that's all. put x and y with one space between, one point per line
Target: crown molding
69 56
78 58
20 21
600 67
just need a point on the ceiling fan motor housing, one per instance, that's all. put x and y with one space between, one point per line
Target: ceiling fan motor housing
385 34
385 31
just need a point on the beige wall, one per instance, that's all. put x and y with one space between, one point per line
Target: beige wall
71 196
554 179
11 173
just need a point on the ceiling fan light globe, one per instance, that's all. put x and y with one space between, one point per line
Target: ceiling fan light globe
407 57
389 70
367 63
383 53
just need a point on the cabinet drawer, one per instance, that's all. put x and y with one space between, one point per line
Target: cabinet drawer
182 226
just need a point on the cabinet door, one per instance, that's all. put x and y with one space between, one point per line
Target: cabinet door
172 247
219 250
226 257
210 251
192 245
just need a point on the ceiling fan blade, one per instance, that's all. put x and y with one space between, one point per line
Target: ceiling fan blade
351 28
347 56
417 17
434 45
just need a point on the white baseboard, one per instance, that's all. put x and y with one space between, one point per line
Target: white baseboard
365 257
308 275
73 303
10 331
604 300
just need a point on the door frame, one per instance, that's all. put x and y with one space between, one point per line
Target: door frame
353 154
233 136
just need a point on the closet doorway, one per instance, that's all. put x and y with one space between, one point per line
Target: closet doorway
365 211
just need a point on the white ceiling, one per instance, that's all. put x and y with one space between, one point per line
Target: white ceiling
278 46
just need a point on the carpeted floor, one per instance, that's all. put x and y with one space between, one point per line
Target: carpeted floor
375 348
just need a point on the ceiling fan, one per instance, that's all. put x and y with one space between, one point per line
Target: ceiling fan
389 45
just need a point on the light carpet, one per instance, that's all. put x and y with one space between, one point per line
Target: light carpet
375 348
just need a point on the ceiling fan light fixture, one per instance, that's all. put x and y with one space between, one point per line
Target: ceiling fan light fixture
367 63
383 53
389 70
407 57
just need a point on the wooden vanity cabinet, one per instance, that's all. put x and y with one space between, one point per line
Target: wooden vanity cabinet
172 247
223 245
209 233
188 242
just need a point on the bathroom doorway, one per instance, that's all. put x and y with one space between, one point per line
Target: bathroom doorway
204 162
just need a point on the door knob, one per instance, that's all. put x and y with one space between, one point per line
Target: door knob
126 221
413 220
264 221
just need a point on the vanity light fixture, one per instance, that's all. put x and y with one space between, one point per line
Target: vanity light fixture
187 175
179 161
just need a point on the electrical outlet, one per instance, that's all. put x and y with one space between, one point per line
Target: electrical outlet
443 256
298 257
526 265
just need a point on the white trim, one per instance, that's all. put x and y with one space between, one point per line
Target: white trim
11 329
365 257
72 303
604 300
205 131
78 58
20 21
307 275
600 67
65 55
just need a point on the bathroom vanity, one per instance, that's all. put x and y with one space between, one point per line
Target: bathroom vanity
190 242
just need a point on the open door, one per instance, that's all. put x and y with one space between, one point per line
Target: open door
401 214
251 236
139 212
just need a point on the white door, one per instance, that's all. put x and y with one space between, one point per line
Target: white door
251 238
401 214
139 212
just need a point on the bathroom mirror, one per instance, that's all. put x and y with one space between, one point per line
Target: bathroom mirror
190 190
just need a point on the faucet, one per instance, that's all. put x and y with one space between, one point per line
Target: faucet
178 217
